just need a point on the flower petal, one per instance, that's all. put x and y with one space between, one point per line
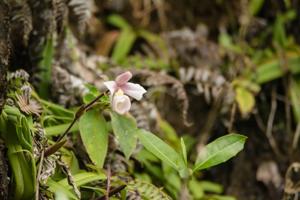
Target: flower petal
121 104
123 78
136 91
111 86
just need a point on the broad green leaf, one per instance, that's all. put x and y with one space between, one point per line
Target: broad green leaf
245 100
125 131
94 135
169 132
272 69
55 186
60 129
82 179
60 195
162 150
124 44
219 151
295 98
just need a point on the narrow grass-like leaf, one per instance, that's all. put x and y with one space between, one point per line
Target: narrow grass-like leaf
94 135
124 44
125 130
45 66
161 149
295 97
118 21
220 150
183 149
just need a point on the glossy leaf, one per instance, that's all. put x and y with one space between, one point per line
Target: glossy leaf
57 187
125 130
162 150
82 179
94 135
219 151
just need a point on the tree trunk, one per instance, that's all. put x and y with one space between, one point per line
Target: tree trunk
4 62
4 50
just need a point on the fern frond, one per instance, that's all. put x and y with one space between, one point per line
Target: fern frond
147 191
21 21
60 13
79 12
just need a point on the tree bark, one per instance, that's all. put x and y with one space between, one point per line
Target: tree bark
4 50
4 62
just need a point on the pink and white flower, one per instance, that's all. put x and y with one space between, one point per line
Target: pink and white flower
120 88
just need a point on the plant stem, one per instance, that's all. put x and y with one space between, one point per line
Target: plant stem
59 143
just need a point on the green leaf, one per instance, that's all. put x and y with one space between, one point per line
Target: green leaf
219 151
295 97
196 189
162 150
94 135
60 129
60 195
245 100
222 197
82 179
125 130
55 186
45 68
124 44
212 187
255 6
183 149
169 132
272 69
118 21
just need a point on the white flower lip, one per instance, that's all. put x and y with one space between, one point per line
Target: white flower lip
120 102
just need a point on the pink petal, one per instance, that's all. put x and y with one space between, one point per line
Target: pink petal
111 86
136 91
121 104
123 78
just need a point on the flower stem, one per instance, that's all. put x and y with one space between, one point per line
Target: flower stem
59 143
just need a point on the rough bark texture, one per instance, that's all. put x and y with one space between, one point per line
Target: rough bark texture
4 50
4 62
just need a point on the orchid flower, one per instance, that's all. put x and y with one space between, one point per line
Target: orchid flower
120 88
